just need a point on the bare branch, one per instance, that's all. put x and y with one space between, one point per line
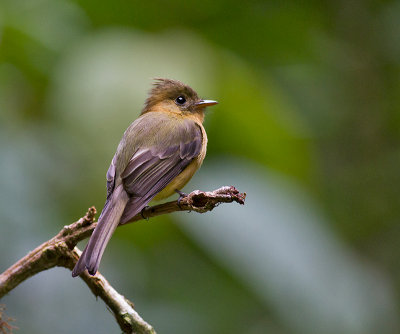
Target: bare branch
128 319
61 251
199 201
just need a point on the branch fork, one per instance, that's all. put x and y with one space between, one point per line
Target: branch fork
61 251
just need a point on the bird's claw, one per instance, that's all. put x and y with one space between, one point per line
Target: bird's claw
142 212
181 195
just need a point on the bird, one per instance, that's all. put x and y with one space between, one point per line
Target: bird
157 155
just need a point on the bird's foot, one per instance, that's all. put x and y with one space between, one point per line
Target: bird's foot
181 195
142 212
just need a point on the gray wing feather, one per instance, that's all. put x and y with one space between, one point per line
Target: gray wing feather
111 177
151 170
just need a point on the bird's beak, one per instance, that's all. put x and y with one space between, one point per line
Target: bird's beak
205 103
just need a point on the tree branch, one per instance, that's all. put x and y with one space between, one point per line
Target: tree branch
61 251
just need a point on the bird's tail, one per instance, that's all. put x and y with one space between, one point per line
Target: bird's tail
108 222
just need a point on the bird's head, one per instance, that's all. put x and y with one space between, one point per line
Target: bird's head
173 96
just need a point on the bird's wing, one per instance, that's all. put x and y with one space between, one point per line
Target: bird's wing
151 169
110 183
111 177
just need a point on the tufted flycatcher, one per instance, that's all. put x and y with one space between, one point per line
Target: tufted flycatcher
158 154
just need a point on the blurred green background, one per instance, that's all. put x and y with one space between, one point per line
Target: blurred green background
308 125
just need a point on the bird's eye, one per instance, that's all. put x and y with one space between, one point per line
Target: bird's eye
180 100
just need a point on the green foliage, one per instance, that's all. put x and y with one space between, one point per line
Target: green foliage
308 125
